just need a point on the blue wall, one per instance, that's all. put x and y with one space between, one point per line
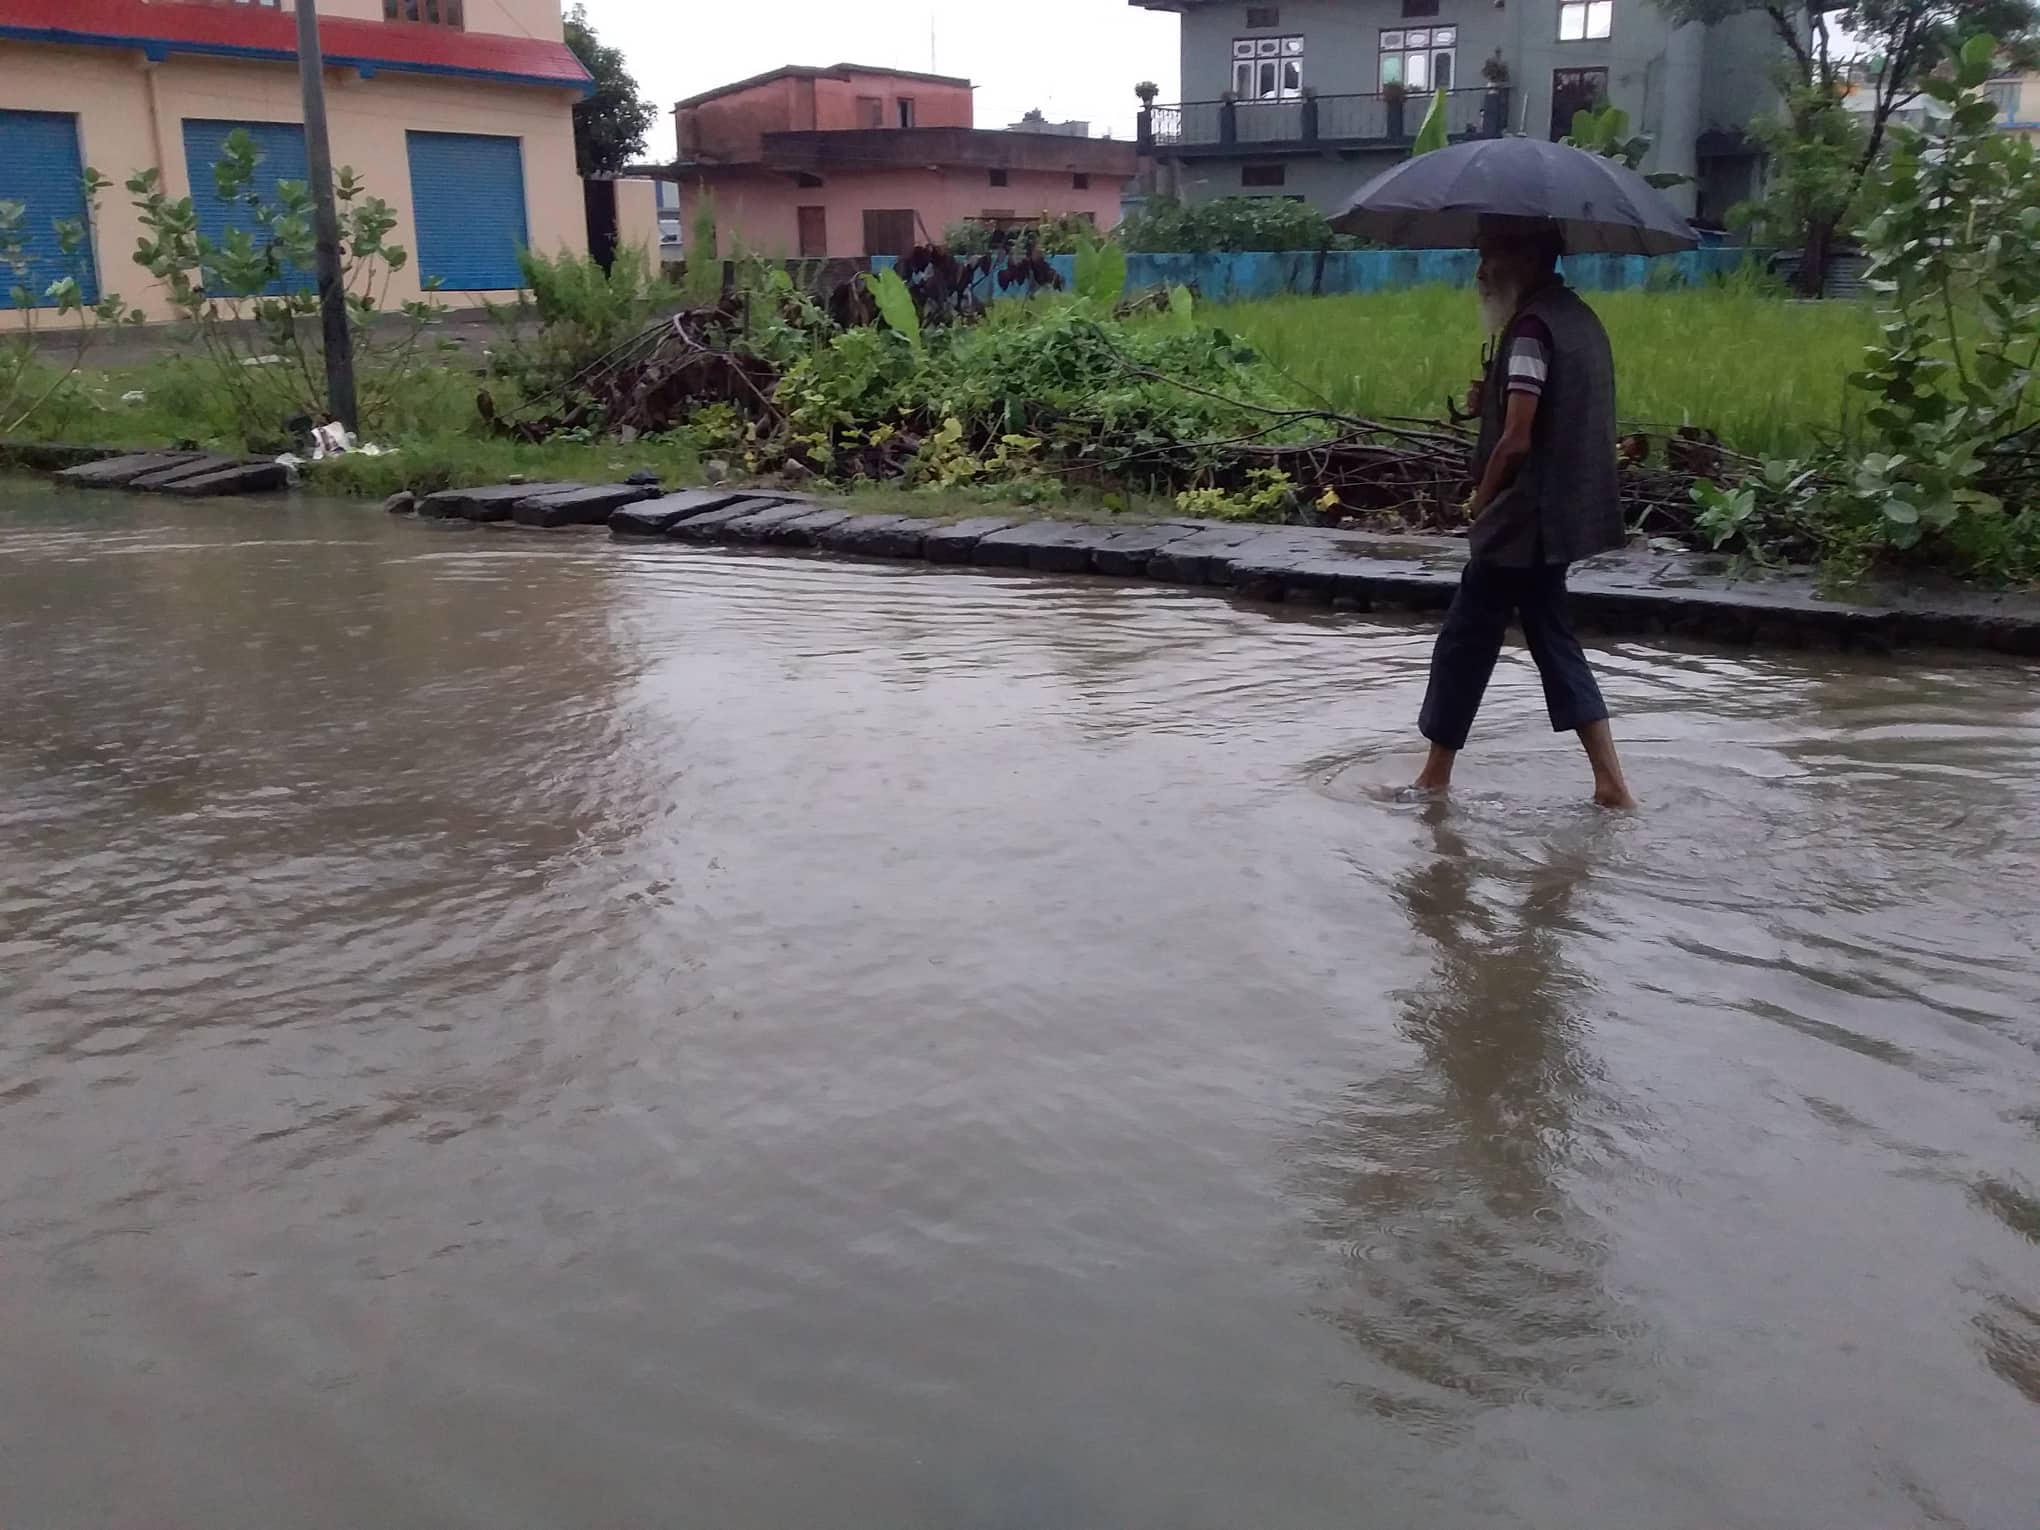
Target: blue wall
1220 278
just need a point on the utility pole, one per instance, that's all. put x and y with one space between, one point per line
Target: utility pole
339 337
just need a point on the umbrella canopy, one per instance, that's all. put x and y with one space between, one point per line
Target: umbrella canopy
1441 200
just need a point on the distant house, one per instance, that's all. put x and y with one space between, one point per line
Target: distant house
1037 122
459 115
2016 96
1299 97
848 161
2018 99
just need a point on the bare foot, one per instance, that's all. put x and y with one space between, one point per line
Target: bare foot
1435 779
1610 789
1614 796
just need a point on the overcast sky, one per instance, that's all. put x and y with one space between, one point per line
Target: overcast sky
1071 58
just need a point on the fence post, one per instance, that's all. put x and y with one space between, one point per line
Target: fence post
1310 118
1228 121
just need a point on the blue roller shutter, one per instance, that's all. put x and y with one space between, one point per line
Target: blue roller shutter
281 147
40 168
467 200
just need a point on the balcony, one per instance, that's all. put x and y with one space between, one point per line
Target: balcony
1217 128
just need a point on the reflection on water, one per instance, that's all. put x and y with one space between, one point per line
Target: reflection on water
499 1029
1472 1272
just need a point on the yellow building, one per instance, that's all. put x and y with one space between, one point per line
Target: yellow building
458 113
2018 99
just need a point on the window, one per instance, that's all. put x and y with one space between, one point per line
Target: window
806 181
871 111
1419 58
1574 91
889 231
1082 182
1585 20
1262 17
906 109
1420 7
998 177
1261 175
1267 68
437 13
814 232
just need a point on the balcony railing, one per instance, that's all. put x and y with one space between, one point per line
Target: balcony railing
1217 127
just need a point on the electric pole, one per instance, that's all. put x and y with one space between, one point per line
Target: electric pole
339 337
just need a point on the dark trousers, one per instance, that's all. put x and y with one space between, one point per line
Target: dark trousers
1471 642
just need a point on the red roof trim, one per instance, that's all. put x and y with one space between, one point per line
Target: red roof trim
258 32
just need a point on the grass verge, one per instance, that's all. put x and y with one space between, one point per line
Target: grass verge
1765 375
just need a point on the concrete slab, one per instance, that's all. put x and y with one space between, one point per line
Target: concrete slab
116 472
766 516
580 507
211 462
803 530
1191 559
1127 552
491 502
1048 547
956 541
236 478
711 525
877 536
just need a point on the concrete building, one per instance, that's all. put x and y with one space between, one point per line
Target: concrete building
1297 98
849 161
1037 122
2017 97
458 113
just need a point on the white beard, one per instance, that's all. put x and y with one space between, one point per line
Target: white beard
1497 308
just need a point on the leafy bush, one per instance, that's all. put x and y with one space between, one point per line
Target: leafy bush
1948 451
573 313
33 389
250 299
1051 236
1164 225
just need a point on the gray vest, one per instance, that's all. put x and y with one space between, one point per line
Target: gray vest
1566 502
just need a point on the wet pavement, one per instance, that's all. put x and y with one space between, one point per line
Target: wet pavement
502 1029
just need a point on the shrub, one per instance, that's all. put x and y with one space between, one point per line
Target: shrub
573 313
1165 225
250 300
35 391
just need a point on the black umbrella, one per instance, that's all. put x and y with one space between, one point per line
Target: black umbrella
1443 200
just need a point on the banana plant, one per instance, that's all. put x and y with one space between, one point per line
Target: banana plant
1606 133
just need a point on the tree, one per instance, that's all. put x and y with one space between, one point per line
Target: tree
610 126
1822 149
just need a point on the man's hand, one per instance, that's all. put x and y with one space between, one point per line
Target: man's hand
1473 392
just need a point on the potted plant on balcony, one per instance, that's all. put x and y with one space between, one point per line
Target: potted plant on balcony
1494 106
1393 95
1147 90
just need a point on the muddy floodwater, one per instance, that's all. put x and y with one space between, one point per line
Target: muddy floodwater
505 1030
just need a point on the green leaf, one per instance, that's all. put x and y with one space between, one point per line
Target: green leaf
895 303
1101 273
1979 56
1432 135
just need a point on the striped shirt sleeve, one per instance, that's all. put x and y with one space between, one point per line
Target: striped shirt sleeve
1529 364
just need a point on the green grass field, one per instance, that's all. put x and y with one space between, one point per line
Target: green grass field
1765 374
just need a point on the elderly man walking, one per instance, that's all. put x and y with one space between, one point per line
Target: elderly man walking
1546 495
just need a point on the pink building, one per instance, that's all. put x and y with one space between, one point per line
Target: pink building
850 161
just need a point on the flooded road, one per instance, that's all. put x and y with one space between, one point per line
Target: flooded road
503 1030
